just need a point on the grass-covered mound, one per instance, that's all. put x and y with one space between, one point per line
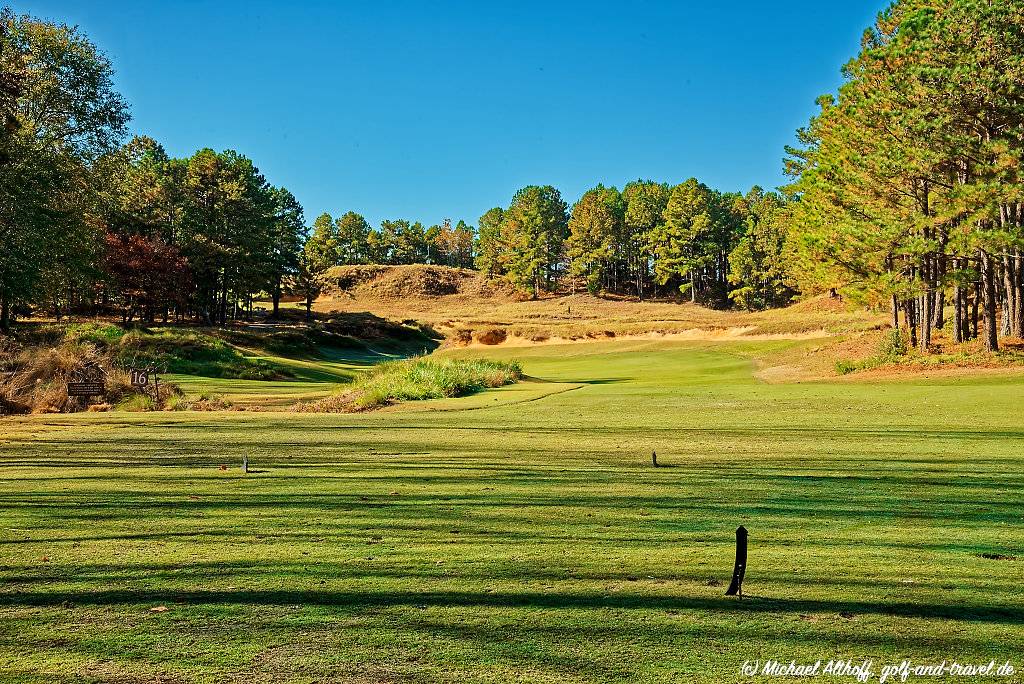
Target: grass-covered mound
417 281
173 350
417 379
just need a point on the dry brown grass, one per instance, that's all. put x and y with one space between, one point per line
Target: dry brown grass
33 379
464 306
418 281
206 401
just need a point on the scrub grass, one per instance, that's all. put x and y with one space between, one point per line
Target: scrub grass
478 305
35 378
170 349
525 540
416 380
191 352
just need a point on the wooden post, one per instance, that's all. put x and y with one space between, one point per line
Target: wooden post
741 563
245 463
654 458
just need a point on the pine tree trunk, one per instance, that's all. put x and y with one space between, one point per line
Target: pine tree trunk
974 311
894 306
938 310
923 313
926 321
939 281
988 277
910 314
1018 297
224 302
958 314
1004 309
276 298
5 314
1009 294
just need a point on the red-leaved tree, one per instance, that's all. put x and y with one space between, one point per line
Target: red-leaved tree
145 276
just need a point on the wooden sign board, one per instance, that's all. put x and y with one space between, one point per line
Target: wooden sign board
140 378
85 389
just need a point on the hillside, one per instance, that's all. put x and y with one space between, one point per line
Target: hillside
418 281
466 308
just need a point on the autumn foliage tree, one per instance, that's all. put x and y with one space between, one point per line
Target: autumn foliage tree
145 276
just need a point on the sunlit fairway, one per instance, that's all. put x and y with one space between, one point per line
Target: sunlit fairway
521 534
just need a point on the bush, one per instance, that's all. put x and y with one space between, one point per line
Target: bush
846 366
35 379
418 379
893 345
103 334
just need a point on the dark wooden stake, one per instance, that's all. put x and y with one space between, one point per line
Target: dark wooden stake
654 458
741 563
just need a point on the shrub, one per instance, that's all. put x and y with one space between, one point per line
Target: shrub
893 345
892 348
35 379
103 334
846 366
418 379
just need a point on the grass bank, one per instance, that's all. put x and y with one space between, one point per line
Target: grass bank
418 379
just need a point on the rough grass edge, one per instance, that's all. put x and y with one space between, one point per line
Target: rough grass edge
417 379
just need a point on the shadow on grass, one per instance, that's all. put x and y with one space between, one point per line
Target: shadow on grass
964 612
588 381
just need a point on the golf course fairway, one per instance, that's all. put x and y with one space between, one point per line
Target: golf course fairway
522 534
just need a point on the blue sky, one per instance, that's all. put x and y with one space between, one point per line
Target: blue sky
429 110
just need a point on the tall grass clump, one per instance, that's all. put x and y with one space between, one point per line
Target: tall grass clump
894 345
33 379
418 379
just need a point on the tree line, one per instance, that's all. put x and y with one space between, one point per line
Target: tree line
350 240
87 223
908 183
91 224
649 239
906 193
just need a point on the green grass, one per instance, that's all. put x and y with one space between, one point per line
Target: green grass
309 379
192 352
521 534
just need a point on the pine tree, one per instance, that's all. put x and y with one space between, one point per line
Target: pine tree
535 228
676 241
